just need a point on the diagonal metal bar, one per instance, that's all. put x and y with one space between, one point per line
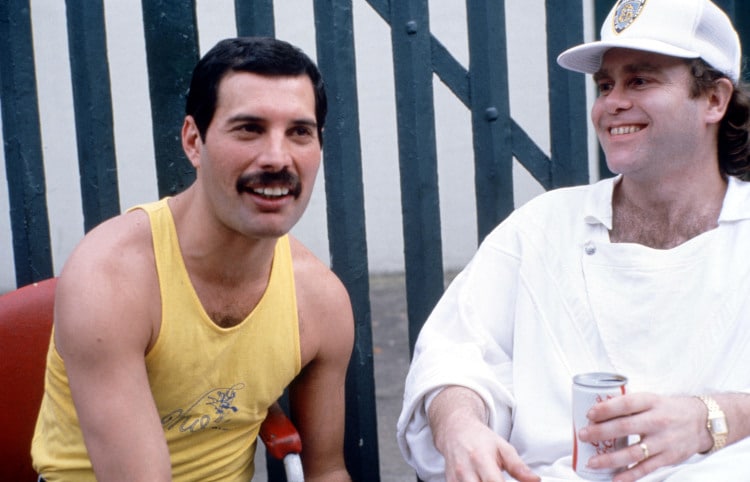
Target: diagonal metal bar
450 71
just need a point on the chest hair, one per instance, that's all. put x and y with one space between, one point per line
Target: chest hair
660 230
229 306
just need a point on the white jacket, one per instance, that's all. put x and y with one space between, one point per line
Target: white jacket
547 296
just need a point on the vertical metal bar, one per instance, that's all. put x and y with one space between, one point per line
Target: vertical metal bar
739 12
92 99
171 52
410 36
567 98
490 113
601 10
23 145
346 225
728 6
742 24
254 18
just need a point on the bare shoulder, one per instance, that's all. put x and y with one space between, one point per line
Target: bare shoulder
108 284
118 248
316 283
326 319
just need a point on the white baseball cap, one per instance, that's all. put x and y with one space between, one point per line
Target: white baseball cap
679 28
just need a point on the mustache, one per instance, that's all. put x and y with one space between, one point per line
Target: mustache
284 178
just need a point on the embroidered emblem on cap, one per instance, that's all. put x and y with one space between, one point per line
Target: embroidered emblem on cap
626 13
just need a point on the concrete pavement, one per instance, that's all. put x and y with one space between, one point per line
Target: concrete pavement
390 335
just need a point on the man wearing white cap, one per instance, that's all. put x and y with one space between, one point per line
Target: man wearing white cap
643 275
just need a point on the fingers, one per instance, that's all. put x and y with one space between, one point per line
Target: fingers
647 463
638 460
668 427
629 404
475 467
521 472
486 463
621 458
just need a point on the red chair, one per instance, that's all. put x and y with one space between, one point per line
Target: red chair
25 325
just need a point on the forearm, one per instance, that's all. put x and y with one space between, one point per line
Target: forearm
141 457
454 405
340 475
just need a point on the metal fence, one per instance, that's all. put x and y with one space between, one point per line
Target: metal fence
172 49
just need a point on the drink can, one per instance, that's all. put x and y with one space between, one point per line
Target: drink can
588 390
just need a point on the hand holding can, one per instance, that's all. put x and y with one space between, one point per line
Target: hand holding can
588 390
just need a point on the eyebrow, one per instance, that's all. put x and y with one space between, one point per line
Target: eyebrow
240 118
629 69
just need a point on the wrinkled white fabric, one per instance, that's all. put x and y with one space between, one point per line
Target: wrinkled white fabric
547 296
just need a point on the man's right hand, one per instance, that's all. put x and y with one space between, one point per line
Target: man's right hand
472 451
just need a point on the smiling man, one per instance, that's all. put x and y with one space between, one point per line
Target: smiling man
642 275
179 323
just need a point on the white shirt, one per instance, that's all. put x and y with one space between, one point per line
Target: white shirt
547 296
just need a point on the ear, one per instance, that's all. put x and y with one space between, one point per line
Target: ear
718 100
191 141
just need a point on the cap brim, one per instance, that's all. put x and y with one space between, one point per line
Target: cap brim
587 58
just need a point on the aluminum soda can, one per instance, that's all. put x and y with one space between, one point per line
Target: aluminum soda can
588 390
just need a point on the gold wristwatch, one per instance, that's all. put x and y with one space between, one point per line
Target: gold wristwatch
716 423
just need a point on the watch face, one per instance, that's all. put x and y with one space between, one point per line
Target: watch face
719 425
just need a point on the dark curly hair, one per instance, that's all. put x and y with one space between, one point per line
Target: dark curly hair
734 141
258 55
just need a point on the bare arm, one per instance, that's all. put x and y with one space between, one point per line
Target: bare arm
103 329
317 395
472 451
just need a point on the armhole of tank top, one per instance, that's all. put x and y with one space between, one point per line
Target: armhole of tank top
151 211
287 246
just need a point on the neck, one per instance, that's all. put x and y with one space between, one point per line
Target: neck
214 253
668 213
229 272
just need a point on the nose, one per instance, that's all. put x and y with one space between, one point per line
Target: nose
275 154
616 100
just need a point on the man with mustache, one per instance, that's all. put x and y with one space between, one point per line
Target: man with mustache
642 275
179 323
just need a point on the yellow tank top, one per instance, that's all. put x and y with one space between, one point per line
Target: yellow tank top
212 385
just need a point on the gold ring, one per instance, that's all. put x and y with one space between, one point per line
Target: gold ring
644 448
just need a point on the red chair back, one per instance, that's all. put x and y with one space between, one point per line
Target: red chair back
25 325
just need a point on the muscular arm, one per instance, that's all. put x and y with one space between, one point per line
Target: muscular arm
103 329
317 395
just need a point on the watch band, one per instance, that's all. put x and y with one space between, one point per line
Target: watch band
716 423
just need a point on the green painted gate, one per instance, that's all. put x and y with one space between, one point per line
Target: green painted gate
172 50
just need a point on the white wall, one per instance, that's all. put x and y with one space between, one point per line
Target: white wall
294 22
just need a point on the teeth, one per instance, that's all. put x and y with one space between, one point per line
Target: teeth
272 191
616 131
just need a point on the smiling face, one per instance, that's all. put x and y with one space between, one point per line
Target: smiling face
645 118
257 164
